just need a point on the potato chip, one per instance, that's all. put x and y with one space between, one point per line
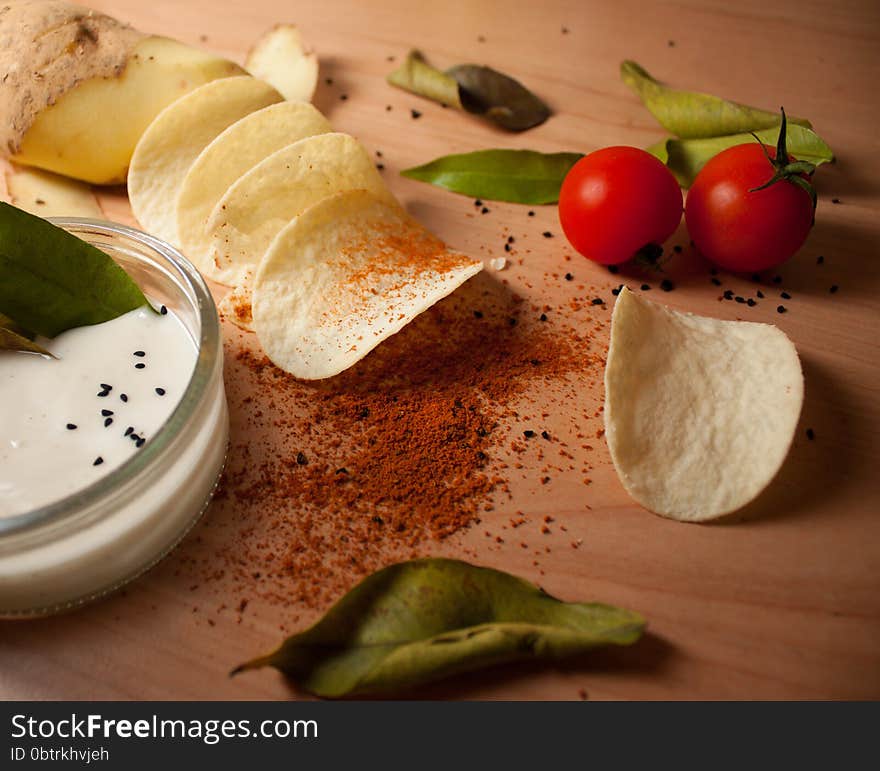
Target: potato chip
281 58
270 195
174 140
232 153
699 412
346 274
236 303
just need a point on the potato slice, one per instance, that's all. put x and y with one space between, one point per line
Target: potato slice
276 190
174 140
346 274
49 195
281 58
232 153
236 305
699 412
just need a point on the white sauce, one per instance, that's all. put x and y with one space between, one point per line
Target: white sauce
41 459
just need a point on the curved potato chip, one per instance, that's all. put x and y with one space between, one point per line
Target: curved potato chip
346 274
699 412
232 153
174 140
270 195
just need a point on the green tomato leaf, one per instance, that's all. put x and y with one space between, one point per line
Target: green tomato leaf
475 89
692 115
51 281
419 621
685 157
14 338
516 176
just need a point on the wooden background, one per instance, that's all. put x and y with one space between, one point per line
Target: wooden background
780 602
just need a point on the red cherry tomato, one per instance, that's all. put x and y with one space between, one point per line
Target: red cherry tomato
745 231
617 200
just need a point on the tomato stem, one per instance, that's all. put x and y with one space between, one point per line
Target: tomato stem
784 169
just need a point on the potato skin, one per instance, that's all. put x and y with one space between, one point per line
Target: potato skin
78 88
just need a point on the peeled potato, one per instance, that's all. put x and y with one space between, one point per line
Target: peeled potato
281 58
699 412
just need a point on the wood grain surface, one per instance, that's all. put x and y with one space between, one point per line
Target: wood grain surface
781 601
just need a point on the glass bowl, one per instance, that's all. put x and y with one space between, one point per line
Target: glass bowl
90 543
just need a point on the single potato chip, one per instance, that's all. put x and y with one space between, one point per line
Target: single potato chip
699 412
174 140
232 153
281 58
255 208
51 195
236 303
347 273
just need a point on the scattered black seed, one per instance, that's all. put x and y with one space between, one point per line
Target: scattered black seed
785 295
835 200
140 365
543 317
328 81
531 213
716 281
645 287
129 431
301 459
568 277
780 309
728 294
71 426
163 310
388 108
106 387
760 294
751 303
613 269
545 435
528 433
103 393
666 285
547 234
615 291
506 247
565 30
512 321
135 438
160 391
811 435
670 43
478 203
833 288
98 461
777 279
139 354
820 259
484 210
390 58
380 166
598 301
415 114
123 397
478 314
677 249
105 413
343 97
108 422
378 153
140 442
739 299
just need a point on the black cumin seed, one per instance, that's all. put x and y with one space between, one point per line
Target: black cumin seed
820 259
528 433
598 301
616 291
751 303
163 310
835 200
103 393
506 247
780 309
160 391
728 294
510 239
139 353
512 321
128 430
666 285
140 442
547 234
106 387
108 422
378 153
760 294
380 166
135 438
739 299
545 435
328 81
105 413
833 288
484 210
531 213
478 203
478 314
543 317
140 365
123 397
388 108
98 461
613 269
645 287
71 426
811 435
343 97
301 459
785 295
716 281
568 277
415 114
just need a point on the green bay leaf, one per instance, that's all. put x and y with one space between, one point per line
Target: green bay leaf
51 281
694 115
685 157
516 176
419 621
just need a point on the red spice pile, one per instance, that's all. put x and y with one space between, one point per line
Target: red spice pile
328 481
